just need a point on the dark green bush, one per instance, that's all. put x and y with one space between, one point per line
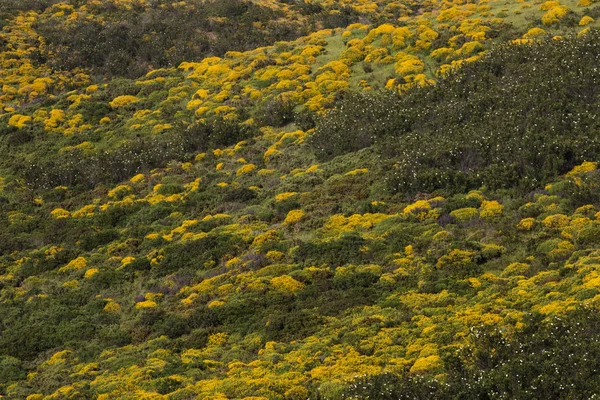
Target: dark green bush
275 112
158 34
345 250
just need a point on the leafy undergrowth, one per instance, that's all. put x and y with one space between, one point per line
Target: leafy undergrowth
313 219
245 282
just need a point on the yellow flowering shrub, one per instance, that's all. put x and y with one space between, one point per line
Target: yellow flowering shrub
515 269
547 5
218 339
192 357
562 251
339 224
270 236
146 304
285 196
19 121
215 304
464 214
75 265
554 15
119 191
587 166
359 171
58 357
85 211
526 224
456 261
293 217
90 273
122 101
126 261
534 33
417 207
137 178
60 213
556 221
245 169
490 209
274 255
286 283
188 301
426 364
409 67
234 262
475 195
55 118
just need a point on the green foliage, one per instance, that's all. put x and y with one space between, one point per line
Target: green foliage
127 158
355 123
347 249
196 254
187 234
476 127
131 42
553 359
276 113
11 370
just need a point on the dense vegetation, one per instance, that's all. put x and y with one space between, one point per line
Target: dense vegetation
543 361
133 41
514 119
402 207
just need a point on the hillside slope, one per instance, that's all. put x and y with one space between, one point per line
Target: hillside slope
403 205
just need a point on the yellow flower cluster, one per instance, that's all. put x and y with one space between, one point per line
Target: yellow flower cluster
123 101
293 217
75 265
286 283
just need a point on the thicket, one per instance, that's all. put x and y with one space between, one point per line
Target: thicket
516 118
131 42
11 6
553 358
44 168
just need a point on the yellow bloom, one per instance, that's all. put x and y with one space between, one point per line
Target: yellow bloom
138 178
123 101
246 169
60 213
491 209
74 265
286 283
285 196
293 217
90 272
146 304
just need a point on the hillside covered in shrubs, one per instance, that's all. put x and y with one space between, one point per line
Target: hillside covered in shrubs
299 199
